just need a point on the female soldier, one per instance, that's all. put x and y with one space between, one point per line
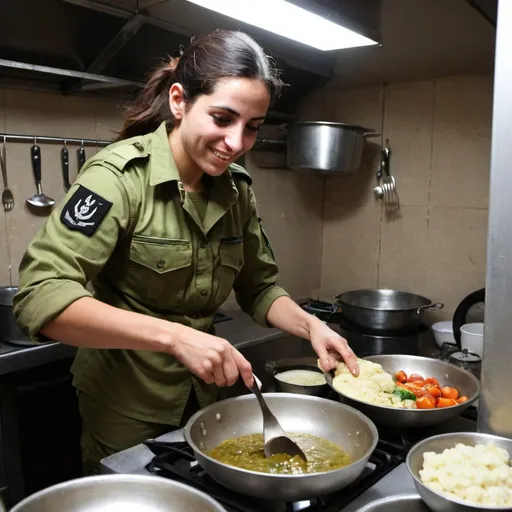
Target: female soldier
164 225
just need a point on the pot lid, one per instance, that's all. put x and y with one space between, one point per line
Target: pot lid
334 124
464 356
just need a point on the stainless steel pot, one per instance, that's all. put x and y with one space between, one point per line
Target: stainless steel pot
399 503
438 502
385 310
326 148
9 329
119 492
447 375
239 416
274 368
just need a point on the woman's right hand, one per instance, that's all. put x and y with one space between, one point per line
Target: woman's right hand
211 358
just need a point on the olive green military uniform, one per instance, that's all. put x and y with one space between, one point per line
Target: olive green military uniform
128 226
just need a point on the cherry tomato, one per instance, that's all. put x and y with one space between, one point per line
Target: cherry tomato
446 402
415 377
426 402
432 381
462 399
435 391
400 385
401 376
449 392
419 383
414 389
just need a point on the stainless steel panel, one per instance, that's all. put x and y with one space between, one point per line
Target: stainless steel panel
495 402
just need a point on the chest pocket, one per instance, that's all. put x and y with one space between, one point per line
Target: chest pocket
160 270
231 255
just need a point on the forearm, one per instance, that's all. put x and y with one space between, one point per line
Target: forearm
90 323
291 318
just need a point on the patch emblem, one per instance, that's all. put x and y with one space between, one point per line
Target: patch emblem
84 211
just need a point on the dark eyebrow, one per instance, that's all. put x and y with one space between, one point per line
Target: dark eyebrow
235 113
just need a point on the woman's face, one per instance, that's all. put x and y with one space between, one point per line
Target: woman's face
220 127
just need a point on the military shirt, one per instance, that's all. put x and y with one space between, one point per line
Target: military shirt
128 227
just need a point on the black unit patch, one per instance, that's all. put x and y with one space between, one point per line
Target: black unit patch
84 211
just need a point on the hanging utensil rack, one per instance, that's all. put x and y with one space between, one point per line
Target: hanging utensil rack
13 137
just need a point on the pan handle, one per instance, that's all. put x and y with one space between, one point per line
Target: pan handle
372 134
434 307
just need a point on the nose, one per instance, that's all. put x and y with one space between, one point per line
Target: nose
234 139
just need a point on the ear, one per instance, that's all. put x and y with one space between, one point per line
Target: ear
177 100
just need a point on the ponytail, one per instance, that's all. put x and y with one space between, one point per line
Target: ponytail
151 106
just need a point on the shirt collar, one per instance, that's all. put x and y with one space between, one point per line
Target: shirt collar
163 168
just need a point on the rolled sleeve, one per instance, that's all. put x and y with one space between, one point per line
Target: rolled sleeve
60 261
255 287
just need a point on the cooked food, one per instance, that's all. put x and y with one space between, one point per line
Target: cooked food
480 475
375 386
301 377
246 452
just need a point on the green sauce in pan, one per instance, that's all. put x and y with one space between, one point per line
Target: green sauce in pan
246 452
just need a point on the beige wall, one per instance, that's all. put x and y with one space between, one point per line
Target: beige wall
289 204
439 133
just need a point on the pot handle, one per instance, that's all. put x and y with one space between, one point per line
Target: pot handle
371 134
434 307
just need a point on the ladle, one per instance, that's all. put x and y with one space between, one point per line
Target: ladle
38 199
274 437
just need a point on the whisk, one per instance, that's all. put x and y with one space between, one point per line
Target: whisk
387 190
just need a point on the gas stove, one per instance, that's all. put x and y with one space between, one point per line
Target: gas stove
175 460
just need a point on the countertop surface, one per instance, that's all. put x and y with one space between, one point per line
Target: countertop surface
240 330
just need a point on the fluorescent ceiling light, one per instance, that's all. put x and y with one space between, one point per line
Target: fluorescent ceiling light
288 20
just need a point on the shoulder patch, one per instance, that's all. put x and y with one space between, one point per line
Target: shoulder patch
84 211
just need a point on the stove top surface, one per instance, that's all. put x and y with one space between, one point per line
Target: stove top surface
175 460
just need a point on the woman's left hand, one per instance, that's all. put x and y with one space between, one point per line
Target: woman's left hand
331 347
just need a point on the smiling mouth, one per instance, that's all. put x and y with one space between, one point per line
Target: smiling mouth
225 158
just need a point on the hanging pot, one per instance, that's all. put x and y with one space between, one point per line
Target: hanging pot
326 148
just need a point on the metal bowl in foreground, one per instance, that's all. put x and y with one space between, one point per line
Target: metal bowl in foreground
142 493
400 503
447 374
342 425
436 501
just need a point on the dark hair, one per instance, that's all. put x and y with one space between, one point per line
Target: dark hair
208 59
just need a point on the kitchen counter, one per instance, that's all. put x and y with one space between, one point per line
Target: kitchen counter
240 330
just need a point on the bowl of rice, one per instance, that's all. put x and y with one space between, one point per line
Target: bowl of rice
298 376
463 471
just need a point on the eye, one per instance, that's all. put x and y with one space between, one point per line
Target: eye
253 128
221 120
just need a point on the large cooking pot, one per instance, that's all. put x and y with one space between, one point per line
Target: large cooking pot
447 374
9 329
384 310
326 148
119 492
239 416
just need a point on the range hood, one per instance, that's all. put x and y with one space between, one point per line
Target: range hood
106 47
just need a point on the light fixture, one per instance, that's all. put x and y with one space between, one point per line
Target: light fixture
288 20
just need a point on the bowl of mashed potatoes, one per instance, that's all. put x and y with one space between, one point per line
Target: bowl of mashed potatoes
463 471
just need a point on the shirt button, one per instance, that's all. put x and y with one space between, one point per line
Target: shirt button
204 293
139 146
203 244
160 263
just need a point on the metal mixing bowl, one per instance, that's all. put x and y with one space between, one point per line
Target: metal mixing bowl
235 417
447 374
141 493
438 502
401 503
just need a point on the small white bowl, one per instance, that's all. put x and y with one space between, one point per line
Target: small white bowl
443 333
